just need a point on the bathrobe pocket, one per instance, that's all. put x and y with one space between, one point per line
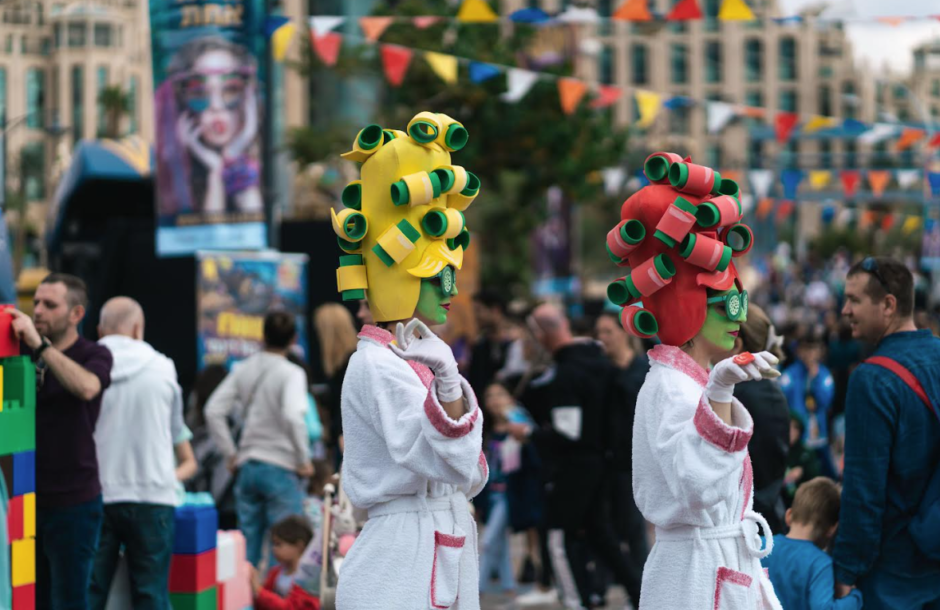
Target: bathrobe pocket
445 575
733 590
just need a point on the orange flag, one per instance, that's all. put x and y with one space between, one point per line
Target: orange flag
892 21
908 137
374 27
633 10
784 210
570 91
764 208
866 219
878 180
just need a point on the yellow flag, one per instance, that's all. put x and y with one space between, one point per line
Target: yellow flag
649 104
443 65
911 224
819 122
280 39
819 179
735 10
476 11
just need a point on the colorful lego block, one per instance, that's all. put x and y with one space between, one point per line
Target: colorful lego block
6 466
29 515
15 519
196 529
24 597
192 573
226 556
238 590
220 596
24 473
9 342
24 562
18 418
204 600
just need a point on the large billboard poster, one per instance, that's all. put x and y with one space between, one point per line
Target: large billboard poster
208 84
234 292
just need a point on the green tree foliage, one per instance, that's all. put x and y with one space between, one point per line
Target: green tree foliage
115 102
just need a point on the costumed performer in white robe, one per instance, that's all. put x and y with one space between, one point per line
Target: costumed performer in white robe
412 426
692 475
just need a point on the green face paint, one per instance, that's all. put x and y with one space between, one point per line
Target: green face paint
718 327
434 298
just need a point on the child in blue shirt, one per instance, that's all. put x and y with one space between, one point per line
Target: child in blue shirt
800 569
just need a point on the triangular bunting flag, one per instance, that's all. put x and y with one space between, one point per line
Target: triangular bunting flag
530 15
480 71
909 177
613 179
761 180
934 141
570 92
719 113
887 222
324 25
934 179
747 202
374 27
828 214
607 95
476 11
578 14
752 112
849 182
911 224
327 47
867 217
443 65
519 82
892 21
648 104
731 174
395 62
784 210
784 124
633 10
853 125
877 133
274 23
878 180
819 179
642 179
282 31
819 122
908 137
791 179
685 10
425 21
735 10
764 208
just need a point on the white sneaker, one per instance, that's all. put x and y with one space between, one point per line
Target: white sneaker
537 597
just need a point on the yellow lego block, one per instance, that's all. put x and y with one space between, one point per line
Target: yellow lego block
29 515
24 562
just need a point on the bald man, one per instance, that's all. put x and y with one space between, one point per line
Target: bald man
139 431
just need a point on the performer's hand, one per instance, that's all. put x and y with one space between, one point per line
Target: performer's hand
428 349
727 373
843 590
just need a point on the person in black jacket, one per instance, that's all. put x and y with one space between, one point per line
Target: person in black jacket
768 407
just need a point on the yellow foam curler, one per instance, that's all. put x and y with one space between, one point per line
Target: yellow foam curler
453 135
351 278
349 224
369 141
425 128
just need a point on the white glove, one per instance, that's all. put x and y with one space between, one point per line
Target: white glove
429 350
727 373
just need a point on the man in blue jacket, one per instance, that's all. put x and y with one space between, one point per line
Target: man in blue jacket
892 445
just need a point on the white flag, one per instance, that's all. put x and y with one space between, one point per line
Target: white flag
577 14
876 134
613 179
909 177
747 202
761 179
321 26
719 113
519 81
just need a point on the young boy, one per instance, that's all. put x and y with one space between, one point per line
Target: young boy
800 569
289 538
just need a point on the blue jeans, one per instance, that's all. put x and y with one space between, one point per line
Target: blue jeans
67 538
264 494
884 591
495 554
146 533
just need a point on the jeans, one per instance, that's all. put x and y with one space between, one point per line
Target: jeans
884 591
495 554
264 494
146 533
67 538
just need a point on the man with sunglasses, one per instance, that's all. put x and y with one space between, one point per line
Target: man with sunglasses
892 444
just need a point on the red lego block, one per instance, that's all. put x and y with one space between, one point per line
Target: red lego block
24 597
15 518
220 596
192 573
9 344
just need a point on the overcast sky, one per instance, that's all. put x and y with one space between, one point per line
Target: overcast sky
882 43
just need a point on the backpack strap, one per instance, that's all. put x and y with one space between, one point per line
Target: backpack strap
907 377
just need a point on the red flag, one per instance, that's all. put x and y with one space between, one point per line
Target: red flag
606 96
784 209
425 21
887 222
764 208
686 9
784 123
327 46
934 141
633 10
570 92
878 179
395 62
374 27
850 180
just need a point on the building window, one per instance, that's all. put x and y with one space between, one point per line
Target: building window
753 60
825 100
102 35
755 154
35 92
607 65
713 61
754 99
851 154
679 120
788 101
8 46
900 92
787 59
680 63
24 45
713 155
77 34
102 83
132 103
78 103
711 15
677 27
33 171
640 64
825 154
57 30
935 87
849 100
3 95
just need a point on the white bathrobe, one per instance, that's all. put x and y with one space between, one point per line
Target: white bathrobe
692 479
414 469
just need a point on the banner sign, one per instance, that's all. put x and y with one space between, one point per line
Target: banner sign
208 58
235 290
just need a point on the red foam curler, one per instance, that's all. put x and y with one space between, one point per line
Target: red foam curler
653 274
638 321
677 221
743 233
625 237
656 167
705 252
722 211
694 179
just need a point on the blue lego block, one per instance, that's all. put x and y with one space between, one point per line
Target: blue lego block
196 529
24 473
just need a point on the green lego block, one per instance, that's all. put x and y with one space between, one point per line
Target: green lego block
18 416
204 600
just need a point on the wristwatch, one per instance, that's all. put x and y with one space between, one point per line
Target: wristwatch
42 347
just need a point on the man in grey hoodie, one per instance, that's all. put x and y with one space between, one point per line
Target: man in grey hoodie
139 431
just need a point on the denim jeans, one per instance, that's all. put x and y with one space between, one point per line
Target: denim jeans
884 591
264 494
495 552
67 538
146 533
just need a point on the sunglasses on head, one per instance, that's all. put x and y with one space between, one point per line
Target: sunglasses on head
870 265
735 304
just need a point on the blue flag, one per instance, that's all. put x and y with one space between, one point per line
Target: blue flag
480 71
934 179
791 179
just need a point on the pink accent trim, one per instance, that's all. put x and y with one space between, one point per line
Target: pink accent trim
719 280
729 576
379 335
424 373
447 540
452 542
675 358
717 432
767 572
484 466
444 424
747 484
